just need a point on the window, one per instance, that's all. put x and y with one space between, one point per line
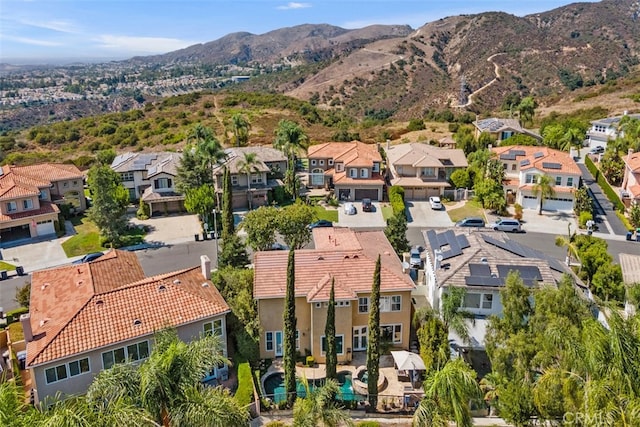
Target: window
428 172
162 183
27 204
570 181
42 195
126 176
321 162
391 333
471 300
330 162
78 367
353 173
376 167
297 339
364 173
130 353
339 344
213 328
343 303
75 183
65 185
57 373
234 180
132 193
339 167
256 178
392 303
138 351
12 206
313 162
363 305
268 341
504 166
531 178
558 180
513 167
487 301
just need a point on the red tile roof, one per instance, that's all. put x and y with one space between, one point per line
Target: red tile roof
24 181
45 208
51 172
355 153
633 161
545 155
341 254
83 307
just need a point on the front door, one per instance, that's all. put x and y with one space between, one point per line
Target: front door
278 343
360 338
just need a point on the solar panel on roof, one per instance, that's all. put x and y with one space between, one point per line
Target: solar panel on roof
462 241
526 271
483 281
507 156
480 270
525 162
519 152
551 165
538 154
525 251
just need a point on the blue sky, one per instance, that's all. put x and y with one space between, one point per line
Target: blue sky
115 29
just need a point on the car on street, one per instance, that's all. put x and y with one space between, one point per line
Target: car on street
414 258
470 222
597 150
510 225
277 246
350 209
367 206
88 258
435 203
320 223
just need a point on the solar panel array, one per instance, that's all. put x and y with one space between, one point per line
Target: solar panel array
538 154
507 156
526 271
519 152
483 281
551 165
448 239
525 162
524 251
480 270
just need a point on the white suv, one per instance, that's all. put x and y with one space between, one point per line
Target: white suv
512 225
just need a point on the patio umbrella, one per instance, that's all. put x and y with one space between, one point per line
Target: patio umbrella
407 361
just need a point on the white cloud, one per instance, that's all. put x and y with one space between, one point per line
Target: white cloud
54 25
294 5
125 44
27 40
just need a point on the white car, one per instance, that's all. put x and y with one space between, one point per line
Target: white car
435 203
350 209
512 225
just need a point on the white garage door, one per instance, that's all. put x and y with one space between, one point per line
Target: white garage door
529 202
45 228
558 204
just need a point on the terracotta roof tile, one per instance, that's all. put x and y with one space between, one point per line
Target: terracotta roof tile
83 307
353 153
349 257
547 155
633 161
45 208
50 172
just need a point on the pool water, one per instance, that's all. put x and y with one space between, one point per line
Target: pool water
274 387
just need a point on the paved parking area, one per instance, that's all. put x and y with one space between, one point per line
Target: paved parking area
548 222
171 229
361 219
36 256
420 214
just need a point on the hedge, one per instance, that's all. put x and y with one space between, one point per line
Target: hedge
244 394
396 198
14 315
602 182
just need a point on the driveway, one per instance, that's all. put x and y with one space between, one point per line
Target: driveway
361 219
420 214
171 229
37 256
549 222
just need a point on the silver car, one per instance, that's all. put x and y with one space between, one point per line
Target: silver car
510 225
350 209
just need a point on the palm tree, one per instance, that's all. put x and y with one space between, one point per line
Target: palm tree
572 137
207 145
319 407
569 242
248 164
489 386
527 109
290 139
454 317
544 188
240 127
447 396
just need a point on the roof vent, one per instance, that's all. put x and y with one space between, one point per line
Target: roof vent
99 303
494 275
137 322
355 257
346 257
43 322
177 282
45 285
320 258
205 285
162 288
484 260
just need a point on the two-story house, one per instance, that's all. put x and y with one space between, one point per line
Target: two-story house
524 164
150 177
251 189
30 195
604 130
631 180
479 263
502 129
351 169
422 169
85 318
348 259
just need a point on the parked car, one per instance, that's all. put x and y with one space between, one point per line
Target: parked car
88 258
470 222
597 150
512 225
367 206
414 258
350 209
435 203
320 223
277 246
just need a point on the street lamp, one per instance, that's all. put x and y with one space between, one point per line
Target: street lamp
215 235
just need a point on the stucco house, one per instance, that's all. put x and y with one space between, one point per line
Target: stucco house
266 174
524 164
630 266
350 169
84 318
347 257
501 129
631 180
479 262
150 178
422 169
30 196
604 130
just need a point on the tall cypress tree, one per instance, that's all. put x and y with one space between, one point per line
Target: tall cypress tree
373 344
289 322
330 335
228 226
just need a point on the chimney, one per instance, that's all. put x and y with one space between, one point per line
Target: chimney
25 321
205 263
388 143
437 254
630 152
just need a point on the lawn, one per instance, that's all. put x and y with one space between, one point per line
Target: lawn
6 266
387 210
87 240
328 214
471 208
15 331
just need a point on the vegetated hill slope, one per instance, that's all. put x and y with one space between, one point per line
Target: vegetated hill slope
291 44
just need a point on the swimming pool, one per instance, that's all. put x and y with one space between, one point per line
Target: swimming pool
346 392
274 387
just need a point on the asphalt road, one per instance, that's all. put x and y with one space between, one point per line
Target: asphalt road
170 258
8 291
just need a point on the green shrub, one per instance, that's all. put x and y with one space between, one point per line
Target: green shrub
396 198
517 211
368 424
602 182
276 424
583 218
244 394
14 315
311 360
143 211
